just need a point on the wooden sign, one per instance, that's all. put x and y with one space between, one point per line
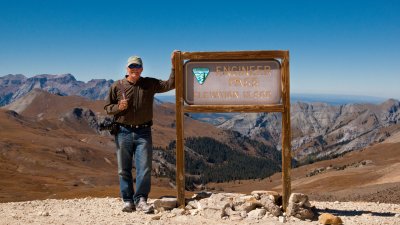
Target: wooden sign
243 81
234 82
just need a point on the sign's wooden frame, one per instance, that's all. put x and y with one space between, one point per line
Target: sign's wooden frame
284 108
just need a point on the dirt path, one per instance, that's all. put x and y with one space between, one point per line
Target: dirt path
107 211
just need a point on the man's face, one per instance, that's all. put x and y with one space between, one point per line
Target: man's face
134 70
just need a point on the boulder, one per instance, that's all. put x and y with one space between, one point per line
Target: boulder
256 214
274 194
215 205
270 205
299 206
213 213
216 201
300 199
327 218
165 204
245 203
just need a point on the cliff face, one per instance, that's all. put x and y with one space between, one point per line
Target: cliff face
13 87
10 84
320 130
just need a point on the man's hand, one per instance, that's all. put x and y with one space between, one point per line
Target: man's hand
173 58
123 104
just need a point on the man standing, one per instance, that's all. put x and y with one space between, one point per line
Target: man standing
130 101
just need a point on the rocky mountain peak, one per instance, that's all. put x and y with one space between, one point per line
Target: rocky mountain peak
62 78
13 77
21 104
390 105
65 78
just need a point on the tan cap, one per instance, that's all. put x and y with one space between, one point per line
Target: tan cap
134 60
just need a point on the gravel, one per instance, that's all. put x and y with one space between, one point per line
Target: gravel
108 211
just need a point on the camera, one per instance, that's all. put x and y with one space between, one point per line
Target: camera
109 124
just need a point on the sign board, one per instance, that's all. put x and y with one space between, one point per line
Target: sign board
239 81
232 82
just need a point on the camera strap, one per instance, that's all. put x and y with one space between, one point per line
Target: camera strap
121 87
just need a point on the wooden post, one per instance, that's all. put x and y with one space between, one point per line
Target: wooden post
286 134
180 154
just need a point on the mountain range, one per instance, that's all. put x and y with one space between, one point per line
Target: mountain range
50 143
13 87
318 129
321 131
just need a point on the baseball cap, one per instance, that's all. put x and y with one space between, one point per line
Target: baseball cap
134 60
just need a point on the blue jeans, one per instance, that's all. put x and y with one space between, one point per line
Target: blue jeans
137 143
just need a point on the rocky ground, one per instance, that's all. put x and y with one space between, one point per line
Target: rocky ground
108 211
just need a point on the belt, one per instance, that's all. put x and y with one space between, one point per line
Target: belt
131 126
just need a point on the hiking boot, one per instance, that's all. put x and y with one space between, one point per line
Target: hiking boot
128 207
143 206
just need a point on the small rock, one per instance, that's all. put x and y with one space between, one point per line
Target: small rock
282 219
178 211
397 215
194 212
201 195
267 215
336 202
43 213
166 203
156 217
256 214
169 215
295 219
235 217
256 196
327 218
194 204
229 211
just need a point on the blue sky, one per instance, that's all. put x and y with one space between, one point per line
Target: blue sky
336 47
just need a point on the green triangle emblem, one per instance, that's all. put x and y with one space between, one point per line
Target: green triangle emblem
201 74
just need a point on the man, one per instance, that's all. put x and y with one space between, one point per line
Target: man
130 101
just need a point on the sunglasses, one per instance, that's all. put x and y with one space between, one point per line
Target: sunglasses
135 66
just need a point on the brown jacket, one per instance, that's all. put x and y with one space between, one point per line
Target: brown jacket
140 97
